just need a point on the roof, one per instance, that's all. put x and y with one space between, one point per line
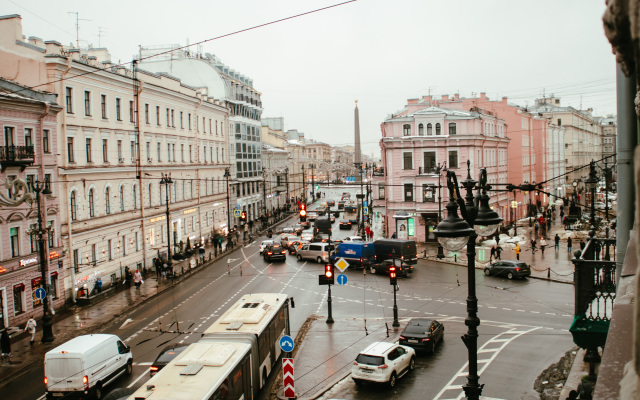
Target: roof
378 348
80 344
249 314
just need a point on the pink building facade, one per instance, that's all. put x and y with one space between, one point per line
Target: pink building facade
28 120
414 143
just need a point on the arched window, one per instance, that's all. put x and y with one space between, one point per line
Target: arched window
134 194
74 206
438 129
121 198
429 130
91 209
421 130
107 202
452 128
406 130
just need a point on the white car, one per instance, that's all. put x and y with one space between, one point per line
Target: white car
312 215
353 239
383 362
306 235
264 244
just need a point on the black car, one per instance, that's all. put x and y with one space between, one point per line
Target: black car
509 268
274 252
320 237
331 203
422 334
382 267
166 355
321 210
345 224
341 205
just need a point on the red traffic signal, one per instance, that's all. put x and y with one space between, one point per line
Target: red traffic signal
243 216
328 271
303 212
393 275
328 277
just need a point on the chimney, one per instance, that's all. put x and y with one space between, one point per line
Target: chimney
456 96
504 99
53 47
36 41
445 97
106 64
412 101
75 54
483 96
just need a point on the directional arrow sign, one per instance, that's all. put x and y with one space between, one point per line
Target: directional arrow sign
342 279
287 374
341 264
40 294
286 344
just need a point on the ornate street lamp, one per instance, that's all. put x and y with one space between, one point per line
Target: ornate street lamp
591 182
166 180
453 233
439 170
227 175
47 324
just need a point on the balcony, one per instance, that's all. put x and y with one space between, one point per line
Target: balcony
16 156
427 171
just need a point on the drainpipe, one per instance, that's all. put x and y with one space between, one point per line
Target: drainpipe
198 169
140 177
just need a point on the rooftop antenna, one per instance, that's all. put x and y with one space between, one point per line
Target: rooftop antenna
100 33
77 27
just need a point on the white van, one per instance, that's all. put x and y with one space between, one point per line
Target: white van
82 366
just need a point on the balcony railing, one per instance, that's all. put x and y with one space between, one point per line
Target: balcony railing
16 156
426 171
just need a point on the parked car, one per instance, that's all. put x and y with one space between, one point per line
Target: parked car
331 203
315 251
509 268
264 244
358 239
274 252
166 355
345 224
84 365
382 267
383 362
599 205
422 334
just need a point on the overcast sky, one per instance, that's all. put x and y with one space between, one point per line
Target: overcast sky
311 69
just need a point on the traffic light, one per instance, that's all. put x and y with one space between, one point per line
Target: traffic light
393 275
328 277
243 216
303 212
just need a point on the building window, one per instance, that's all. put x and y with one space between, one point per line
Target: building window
158 115
121 198
168 122
18 298
408 192
33 237
45 141
51 234
107 201
146 113
453 159
438 129
118 110
452 128
131 111
14 241
109 252
134 196
54 285
380 191
428 194
429 130
124 245
173 125
91 208
28 139
103 105
94 257
87 103
189 119
407 158
406 130
105 150
76 261
69 100
181 121
429 161
88 148
74 206
421 130
70 157
150 196
158 152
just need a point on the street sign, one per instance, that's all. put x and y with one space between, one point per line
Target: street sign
364 204
341 264
287 378
342 279
237 213
365 211
237 207
286 344
40 293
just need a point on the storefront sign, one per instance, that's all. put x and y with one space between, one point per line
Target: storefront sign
189 211
28 261
412 229
156 219
53 254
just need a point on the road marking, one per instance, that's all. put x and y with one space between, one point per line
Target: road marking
137 379
126 322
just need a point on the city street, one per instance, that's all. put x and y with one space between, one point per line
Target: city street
523 324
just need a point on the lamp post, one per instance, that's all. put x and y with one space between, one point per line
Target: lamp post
607 177
286 171
514 212
361 197
47 324
166 180
453 233
304 187
313 185
591 182
227 175
439 170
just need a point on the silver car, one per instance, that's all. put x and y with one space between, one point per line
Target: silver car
318 251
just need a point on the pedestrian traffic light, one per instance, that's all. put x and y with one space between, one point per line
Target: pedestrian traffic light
243 216
303 212
328 277
393 275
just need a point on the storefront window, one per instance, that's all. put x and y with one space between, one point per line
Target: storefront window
54 285
18 298
35 284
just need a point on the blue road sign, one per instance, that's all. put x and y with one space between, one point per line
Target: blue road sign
364 204
40 293
365 211
237 213
237 207
286 344
342 279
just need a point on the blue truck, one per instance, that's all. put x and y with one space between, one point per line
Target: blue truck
358 255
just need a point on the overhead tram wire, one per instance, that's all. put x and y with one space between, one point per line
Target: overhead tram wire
194 44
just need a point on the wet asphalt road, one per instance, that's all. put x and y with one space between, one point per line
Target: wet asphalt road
538 312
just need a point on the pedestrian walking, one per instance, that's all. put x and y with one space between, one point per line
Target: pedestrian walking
543 244
498 251
533 246
99 285
493 253
569 242
517 251
137 279
127 277
5 344
537 226
31 327
370 235
557 239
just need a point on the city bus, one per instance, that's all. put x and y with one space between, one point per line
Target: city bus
234 357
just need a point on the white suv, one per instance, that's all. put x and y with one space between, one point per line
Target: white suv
383 362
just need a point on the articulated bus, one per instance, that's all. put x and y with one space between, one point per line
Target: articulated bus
232 360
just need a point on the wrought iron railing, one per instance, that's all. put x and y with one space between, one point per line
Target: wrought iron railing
16 153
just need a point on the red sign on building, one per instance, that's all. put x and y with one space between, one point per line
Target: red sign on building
287 373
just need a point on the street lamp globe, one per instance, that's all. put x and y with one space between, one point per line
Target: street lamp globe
453 232
487 221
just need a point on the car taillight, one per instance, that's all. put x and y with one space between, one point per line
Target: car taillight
85 380
46 380
383 366
282 252
360 260
402 257
402 337
269 253
425 339
153 369
517 268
